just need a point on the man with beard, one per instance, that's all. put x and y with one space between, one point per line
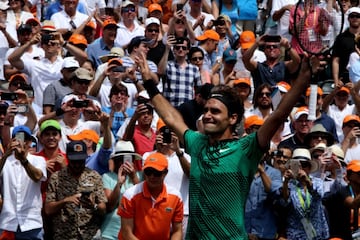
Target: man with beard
75 197
272 70
262 102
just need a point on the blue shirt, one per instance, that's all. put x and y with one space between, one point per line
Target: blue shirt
99 160
259 212
118 119
97 49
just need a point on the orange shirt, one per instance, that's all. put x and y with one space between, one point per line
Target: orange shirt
166 7
152 217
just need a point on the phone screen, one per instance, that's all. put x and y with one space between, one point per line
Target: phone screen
20 136
127 158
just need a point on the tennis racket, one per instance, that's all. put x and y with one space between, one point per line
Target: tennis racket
315 29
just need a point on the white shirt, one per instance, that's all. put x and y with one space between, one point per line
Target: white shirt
198 31
42 72
124 35
352 153
12 23
283 23
176 177
21 195
338 116
62 19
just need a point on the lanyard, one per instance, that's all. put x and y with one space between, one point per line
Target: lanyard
304 205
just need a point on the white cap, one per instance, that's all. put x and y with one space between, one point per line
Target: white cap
4 5
354 10
144 94
151 20
70 62
69 97
126 3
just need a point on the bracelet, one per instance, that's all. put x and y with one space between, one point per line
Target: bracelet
180 154
59 112
151 88
64 44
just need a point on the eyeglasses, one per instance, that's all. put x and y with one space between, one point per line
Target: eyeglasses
153 30
81 82
266 94
271 46
354 16
176 47
178 21
318 136
195 59
51 43
128 9
154 172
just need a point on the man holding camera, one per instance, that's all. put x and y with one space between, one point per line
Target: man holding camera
21 176
75 197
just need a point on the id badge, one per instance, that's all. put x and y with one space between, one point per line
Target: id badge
309 229
311 35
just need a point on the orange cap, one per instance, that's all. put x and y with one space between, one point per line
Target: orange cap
115 61
242 80
160 124
85 134
157 161
353 165
319 91
109 22
247 39
253 120
91 24
78 39
154 7
19 76
344 89
349 118
209 34
283 86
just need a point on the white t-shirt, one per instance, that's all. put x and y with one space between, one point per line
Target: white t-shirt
338 116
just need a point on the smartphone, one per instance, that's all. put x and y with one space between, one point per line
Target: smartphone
272 38
328 155
166 132
11 96
46 38
179 7
80 103
128 158
20 136
295 166
22 108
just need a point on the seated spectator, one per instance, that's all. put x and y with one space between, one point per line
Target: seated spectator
133 219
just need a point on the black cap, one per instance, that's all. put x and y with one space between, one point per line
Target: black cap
24 28
76 151
136 41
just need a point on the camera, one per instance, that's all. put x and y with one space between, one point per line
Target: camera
272 38
46 38
22 108
10 96
166 133
179 7
80 103
219 22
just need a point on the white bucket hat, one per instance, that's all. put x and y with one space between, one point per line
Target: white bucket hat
125 148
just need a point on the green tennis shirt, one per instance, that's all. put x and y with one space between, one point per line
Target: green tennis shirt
220 179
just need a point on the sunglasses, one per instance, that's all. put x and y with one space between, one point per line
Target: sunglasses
354 16
281 162
179 22
266 94
153 30
305 164
180 47
81 82
154 172
195 59
271 46
128 9
51 43
16 83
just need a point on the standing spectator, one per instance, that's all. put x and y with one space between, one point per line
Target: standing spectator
344 45
223 27
199 19
280 12
208 43
104 44
196 57
180 77
21 177
116 182
128 26
273 70
151 199
16 16
75 197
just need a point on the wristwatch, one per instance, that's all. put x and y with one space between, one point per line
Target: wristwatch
95 207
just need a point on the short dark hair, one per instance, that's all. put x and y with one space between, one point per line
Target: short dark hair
195 50
116 88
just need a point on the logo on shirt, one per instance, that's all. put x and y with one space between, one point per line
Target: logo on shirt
168 209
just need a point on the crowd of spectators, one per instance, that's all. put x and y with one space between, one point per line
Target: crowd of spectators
85 154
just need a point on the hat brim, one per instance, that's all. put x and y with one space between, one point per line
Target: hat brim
314 164
246 45
137 156
107 57
329 138
77 157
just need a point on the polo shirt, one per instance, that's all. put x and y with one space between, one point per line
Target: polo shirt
21 195
265 74
42 72
124 35
152 217
96 49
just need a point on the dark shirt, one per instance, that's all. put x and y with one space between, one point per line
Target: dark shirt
292 142
344 45
155 54
265 74
191 111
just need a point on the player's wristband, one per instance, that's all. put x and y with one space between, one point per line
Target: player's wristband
151 88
